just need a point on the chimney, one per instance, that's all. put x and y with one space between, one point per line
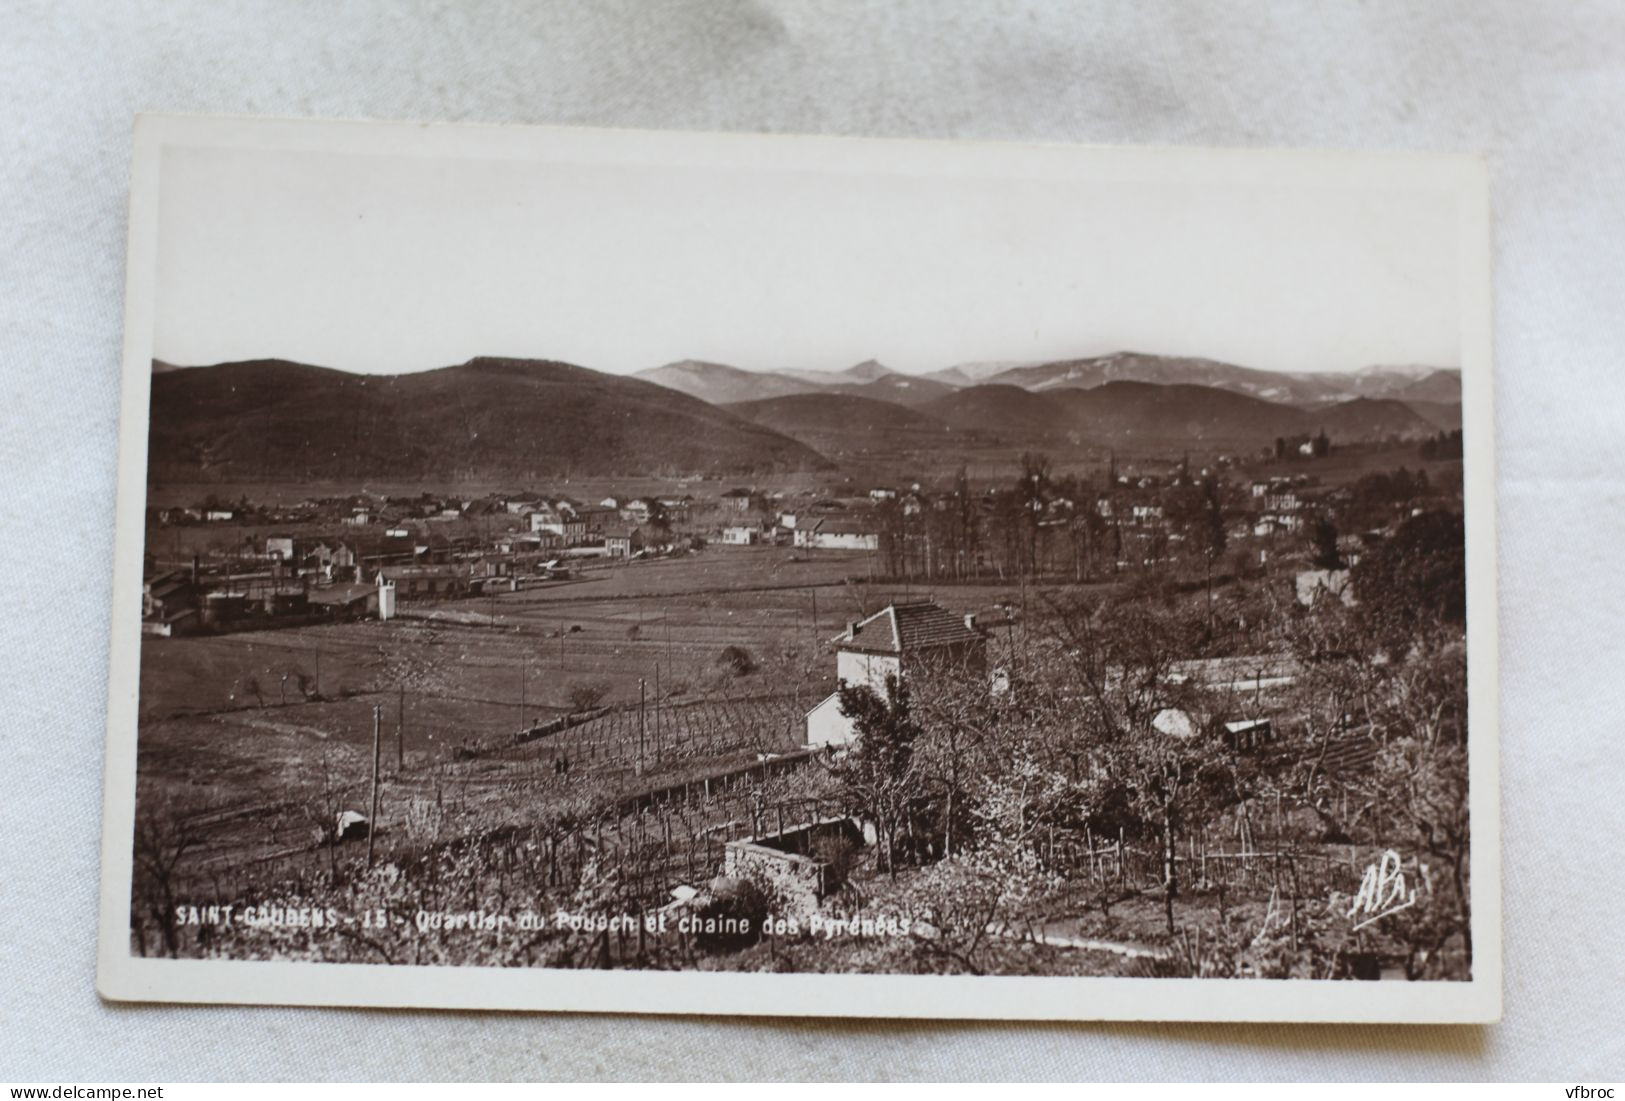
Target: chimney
851 628
194 569
970 621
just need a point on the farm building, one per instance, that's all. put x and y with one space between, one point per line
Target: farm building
350 600
894 643
741 535
839 533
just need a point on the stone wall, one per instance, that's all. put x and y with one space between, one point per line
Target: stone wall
785 861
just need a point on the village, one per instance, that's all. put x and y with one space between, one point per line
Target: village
673 700
236 565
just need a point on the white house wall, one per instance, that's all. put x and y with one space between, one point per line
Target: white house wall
827 726
870 669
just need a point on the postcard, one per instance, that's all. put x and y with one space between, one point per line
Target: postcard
566 569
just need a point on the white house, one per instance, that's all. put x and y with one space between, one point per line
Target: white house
838 533
741 535
889 646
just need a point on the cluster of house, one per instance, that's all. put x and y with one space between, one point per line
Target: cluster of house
245 594
813 522
812 531
296 580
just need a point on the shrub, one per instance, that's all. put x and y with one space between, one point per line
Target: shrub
586 695
737 660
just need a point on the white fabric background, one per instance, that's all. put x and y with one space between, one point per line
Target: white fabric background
1537 86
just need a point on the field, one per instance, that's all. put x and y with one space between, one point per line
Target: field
250 727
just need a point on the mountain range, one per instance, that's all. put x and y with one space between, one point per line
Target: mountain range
489 417
722 384
496 417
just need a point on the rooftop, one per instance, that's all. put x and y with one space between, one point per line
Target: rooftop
908 627
844 525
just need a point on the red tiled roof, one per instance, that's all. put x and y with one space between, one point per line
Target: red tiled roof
907 628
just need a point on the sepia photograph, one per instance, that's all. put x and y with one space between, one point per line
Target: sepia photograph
572 569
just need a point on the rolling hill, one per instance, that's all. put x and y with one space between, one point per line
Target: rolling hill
1123 413
838 424
720 384
489 417
1443 415
1370 419
1001 409
903 389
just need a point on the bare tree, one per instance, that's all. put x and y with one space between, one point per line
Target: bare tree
165 832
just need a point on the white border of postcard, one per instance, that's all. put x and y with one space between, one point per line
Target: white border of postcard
125 977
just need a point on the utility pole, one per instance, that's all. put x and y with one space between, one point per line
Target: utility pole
400 734
372 820
657 710
640 724
522 664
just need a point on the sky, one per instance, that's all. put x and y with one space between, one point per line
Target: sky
386 263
